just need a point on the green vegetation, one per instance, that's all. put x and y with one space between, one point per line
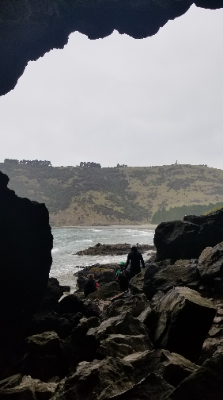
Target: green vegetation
91 195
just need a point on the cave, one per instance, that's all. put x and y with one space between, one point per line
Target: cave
30 28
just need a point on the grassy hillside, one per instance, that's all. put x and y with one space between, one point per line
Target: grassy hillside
99 196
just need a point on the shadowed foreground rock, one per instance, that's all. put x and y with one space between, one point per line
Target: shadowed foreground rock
25 256
180 322
186 239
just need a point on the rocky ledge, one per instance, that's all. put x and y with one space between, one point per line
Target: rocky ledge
112 249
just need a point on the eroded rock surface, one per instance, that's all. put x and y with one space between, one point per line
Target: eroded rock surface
29 29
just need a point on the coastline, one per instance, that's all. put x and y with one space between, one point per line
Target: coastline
150 226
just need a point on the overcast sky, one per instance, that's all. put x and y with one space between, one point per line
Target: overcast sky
120 100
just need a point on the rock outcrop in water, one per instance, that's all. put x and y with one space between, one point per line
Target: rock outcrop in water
29 29
112 249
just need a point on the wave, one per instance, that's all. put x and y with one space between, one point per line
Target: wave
54 250
84 240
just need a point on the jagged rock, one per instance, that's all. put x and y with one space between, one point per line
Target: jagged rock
79 332
44 358
61 324
124 324
182 273
25 257
135 304
137 282
153 387
112 249
172 367
28 389
205 383
180 322
96 380
210 346
72 304
186 239
105 291
122 345
11 381
211 267
53 294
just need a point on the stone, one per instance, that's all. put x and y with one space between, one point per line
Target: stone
122 345
79 332
106 291
211 267
72 304
210 346
53 294
153 387
46 342
135 304
123 324
205 383
29 389
180 322
179 274
186 239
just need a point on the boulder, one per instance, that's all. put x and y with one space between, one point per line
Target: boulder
180 322
172 367
205 383
44 358
122 345
79 332
182 273
186 239
153 387
123 324
135 304
53 294
28 389
210 265
106 291
72 304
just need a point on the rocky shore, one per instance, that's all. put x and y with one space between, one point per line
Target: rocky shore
162 341
113 249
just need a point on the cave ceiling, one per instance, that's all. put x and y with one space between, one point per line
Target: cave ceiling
30 28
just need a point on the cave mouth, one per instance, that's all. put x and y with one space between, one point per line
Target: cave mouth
30 29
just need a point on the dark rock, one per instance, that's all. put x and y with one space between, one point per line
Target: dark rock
180 322
186 239
44 358
28 389
205 383
106 291
53 294
122 345
172 367
72 304
25 257
124 324
135 304
182 273
11 381
112 249
79 332
211 267
153 387
210 346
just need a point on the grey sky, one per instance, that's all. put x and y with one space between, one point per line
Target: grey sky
121 100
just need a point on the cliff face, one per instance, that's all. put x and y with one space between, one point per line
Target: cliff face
29 29
25 256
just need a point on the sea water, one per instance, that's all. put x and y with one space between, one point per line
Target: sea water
68 241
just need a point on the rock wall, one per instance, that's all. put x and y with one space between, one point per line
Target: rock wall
25 257
30 28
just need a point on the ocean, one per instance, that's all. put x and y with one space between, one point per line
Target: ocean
68 241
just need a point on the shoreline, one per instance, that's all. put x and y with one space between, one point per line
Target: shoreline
150 226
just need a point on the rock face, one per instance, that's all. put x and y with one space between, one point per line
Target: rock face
180 322
25 256
211 267
186 239
31 28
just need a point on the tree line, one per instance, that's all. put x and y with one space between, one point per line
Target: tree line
44 163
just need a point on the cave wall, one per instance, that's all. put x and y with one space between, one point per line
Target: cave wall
30 28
